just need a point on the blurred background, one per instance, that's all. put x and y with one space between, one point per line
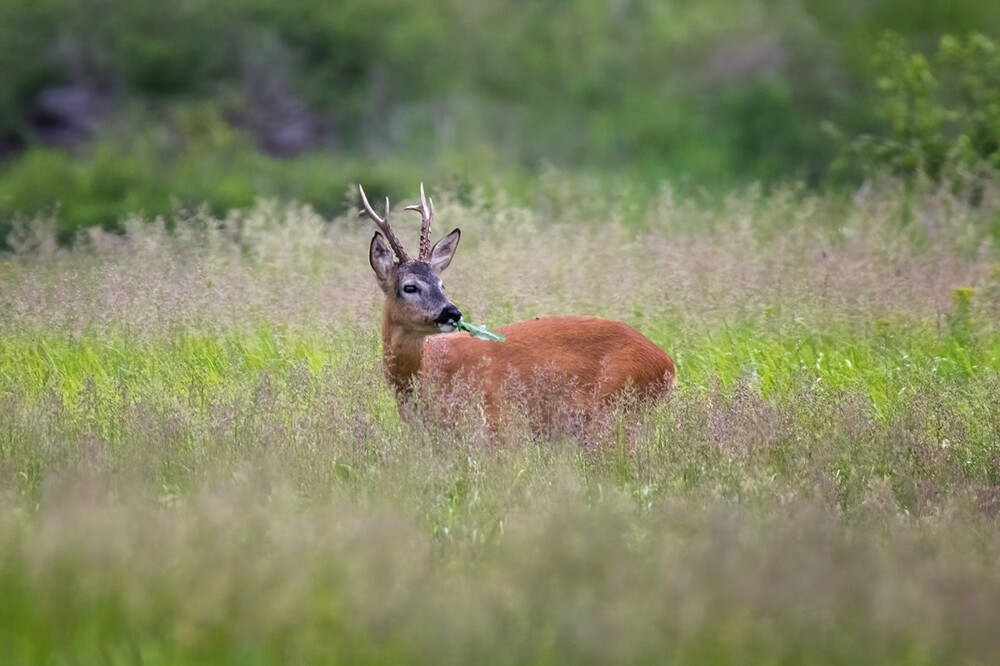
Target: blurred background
118 107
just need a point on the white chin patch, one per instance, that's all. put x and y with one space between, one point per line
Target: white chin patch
446 328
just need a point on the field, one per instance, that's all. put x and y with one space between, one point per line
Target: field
200 461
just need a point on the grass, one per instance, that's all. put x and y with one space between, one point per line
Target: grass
201 463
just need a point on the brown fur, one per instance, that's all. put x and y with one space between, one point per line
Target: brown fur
582 363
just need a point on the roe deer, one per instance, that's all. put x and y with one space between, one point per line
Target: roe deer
592 361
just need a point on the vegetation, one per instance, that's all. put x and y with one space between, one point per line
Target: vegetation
942 115
201 463
109 108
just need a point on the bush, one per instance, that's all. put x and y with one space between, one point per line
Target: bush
716 92
940 114
202 162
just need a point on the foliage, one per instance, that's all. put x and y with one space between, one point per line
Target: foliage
201 161
717 92
941 113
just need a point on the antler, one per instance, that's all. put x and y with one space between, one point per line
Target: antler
383 226
426 210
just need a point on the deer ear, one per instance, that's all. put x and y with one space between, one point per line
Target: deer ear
380 257
444 250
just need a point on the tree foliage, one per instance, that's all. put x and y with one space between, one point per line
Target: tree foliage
940 113
713 92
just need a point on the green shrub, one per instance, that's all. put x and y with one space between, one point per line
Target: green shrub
940 114
716 92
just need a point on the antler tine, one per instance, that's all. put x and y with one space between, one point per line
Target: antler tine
426 210
383 225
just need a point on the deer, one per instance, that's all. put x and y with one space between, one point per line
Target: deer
593 361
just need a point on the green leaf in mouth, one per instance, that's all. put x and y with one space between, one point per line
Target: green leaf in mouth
480 332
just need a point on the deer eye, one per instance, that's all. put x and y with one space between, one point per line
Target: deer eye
410 289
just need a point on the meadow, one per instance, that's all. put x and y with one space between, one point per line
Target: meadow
200 461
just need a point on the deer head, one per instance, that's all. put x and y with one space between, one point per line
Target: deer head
415 300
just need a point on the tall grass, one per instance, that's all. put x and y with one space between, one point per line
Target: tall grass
201 463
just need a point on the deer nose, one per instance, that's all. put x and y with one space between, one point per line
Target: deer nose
450 315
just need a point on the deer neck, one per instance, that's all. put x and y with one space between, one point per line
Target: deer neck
402 354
